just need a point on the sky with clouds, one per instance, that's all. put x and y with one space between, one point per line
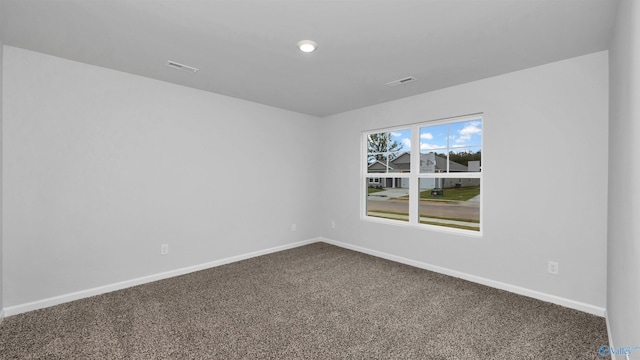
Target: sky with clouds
458 136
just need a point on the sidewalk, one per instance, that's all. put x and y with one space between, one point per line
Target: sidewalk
389 193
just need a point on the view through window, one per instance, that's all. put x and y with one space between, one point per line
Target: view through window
426 174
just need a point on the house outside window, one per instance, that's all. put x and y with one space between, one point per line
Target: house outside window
426 175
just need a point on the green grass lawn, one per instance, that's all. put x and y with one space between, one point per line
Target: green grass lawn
373 190
460 194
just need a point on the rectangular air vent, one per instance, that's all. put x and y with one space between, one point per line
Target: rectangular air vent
183 67
401 81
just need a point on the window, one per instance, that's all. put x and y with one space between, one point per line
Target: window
388 152
427 174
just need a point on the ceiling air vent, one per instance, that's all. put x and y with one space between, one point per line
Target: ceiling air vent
408 79
183 67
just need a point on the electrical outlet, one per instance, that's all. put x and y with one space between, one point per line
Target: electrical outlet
294 227
164 249
333 224
552 267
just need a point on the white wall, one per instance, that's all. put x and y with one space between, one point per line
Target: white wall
623 277
544 173
101 167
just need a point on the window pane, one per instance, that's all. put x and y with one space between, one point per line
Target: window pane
465 159
454 147
465 133
377 142
388 198
434 137
434 142
378 163
433 162
450 202
401 163
389 151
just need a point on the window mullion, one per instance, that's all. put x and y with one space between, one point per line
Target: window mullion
414 186
448 147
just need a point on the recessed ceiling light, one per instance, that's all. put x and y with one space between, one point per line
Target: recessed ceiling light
307 46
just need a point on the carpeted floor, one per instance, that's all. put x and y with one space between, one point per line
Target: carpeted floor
312 302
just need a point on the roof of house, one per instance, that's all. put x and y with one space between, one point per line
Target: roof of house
379 166
402 163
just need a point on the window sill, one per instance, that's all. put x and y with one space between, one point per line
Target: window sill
434 228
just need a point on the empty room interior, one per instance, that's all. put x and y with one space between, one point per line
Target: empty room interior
320 179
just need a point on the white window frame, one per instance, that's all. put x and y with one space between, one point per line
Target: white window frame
414 176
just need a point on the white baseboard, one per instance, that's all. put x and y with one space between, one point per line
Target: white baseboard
56 300
577 305
611 344
606 320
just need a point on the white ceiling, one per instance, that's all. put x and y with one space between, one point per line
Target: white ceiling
247 49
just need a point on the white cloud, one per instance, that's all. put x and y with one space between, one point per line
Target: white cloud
468 130
426 136
406 142
396 134
425 146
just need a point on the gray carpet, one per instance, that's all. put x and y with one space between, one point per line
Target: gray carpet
313 302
